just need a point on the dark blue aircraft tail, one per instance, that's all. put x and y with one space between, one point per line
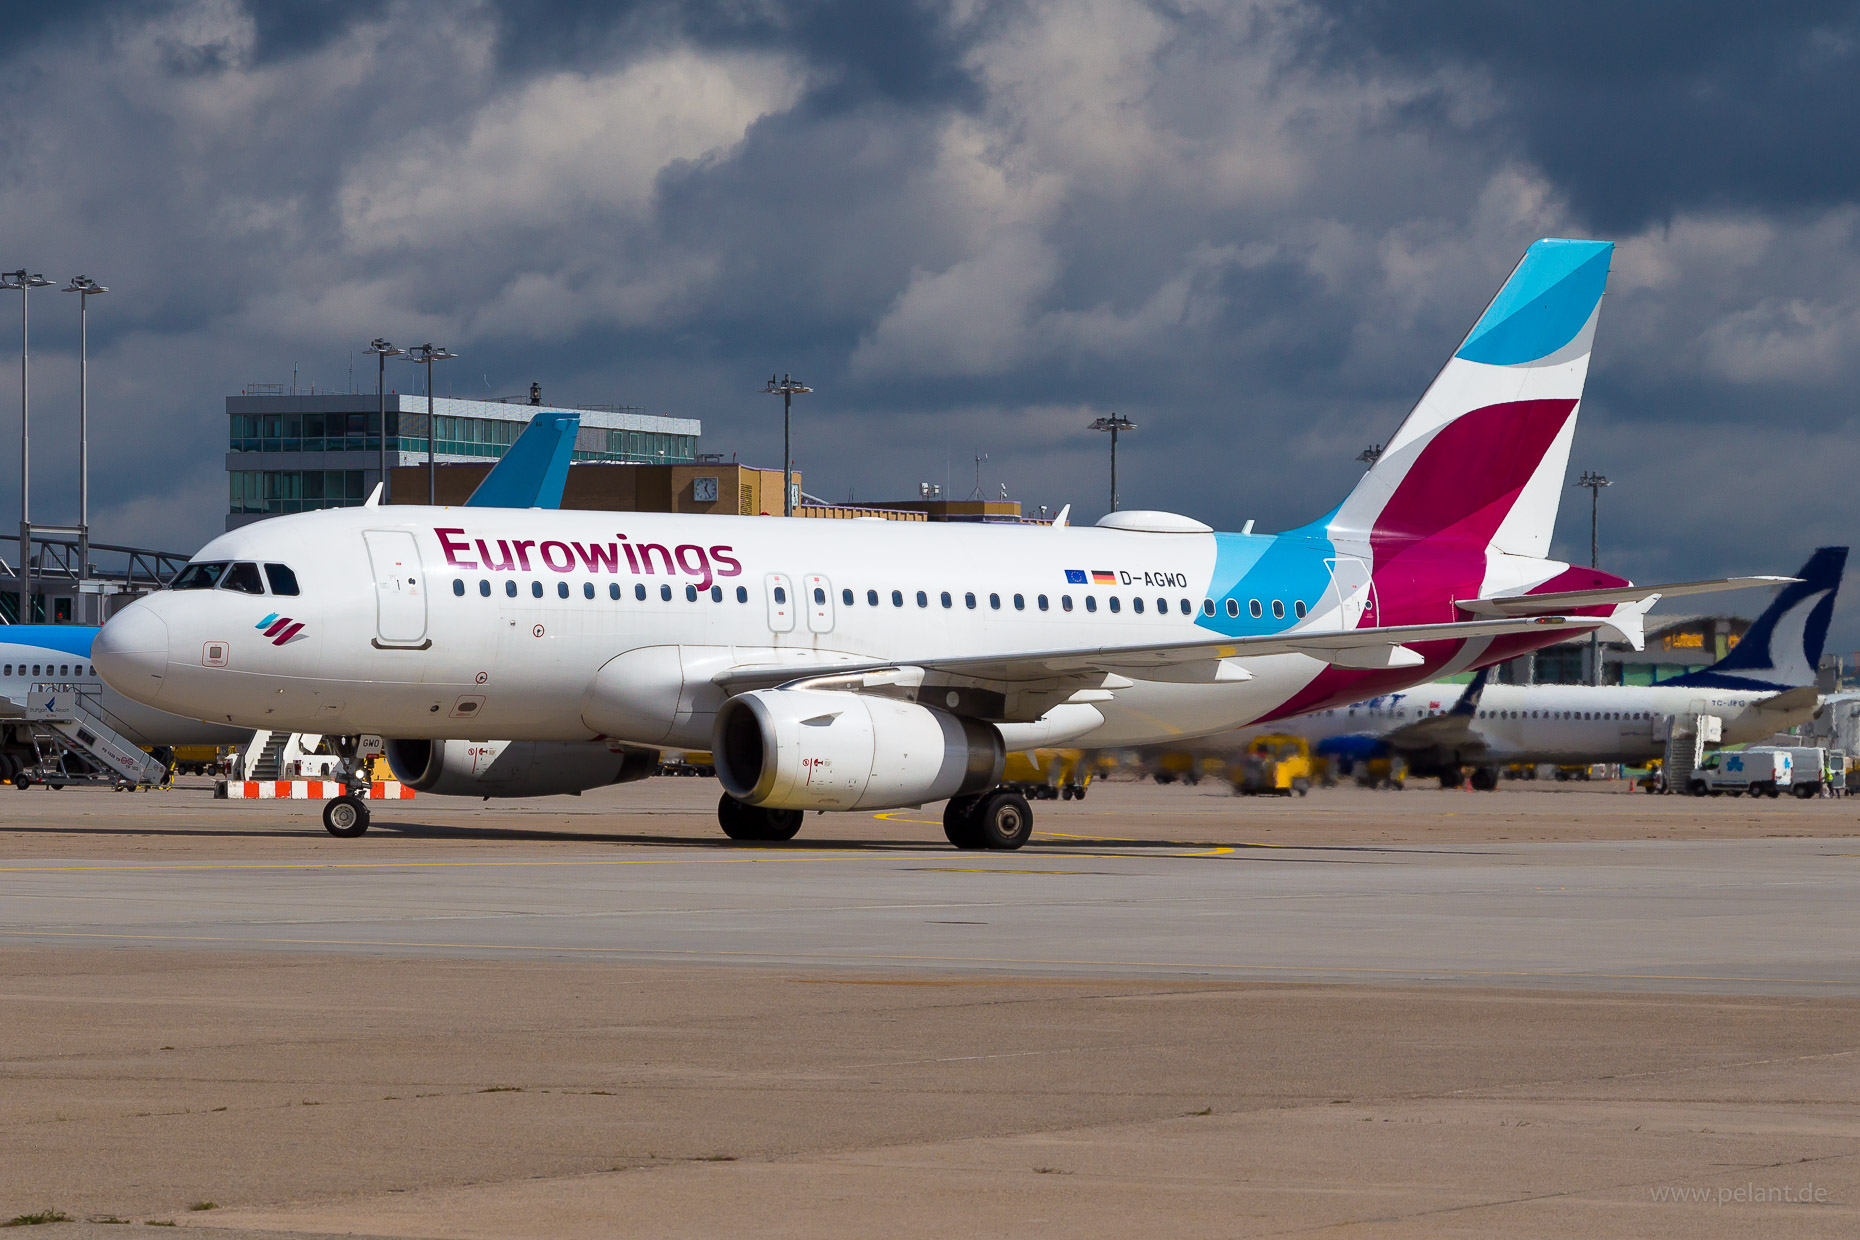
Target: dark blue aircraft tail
535 469
1783 648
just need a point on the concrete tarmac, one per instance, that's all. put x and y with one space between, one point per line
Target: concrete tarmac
1547 1011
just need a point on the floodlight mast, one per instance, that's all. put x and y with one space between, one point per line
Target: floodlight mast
427 354
85 288
787 387
1595 482
24 281
382 351
1115 423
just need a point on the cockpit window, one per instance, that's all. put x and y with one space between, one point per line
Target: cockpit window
283 580
200 576
244 578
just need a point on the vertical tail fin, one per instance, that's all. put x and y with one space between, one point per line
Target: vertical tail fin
1782 648
1480 460
532 473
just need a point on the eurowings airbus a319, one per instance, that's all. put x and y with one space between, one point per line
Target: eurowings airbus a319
860 665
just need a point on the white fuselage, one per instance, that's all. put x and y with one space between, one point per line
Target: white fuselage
565 626
1558 723
26 665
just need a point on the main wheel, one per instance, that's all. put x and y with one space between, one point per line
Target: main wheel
756 822
345 816
1004 820
959 826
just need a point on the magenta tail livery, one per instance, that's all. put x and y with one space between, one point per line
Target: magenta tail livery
867 665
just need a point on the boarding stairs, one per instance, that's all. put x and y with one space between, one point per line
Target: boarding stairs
1686 738
270 760
75 713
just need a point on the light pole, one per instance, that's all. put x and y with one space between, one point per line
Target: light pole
428 354
25 282
1595 482
787 388
85 288
1115 423
382 351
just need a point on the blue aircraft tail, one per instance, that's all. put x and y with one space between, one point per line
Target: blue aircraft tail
535 469
1782 648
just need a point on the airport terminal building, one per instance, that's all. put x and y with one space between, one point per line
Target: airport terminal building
301 453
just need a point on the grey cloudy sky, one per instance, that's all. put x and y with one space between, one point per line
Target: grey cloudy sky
1256 228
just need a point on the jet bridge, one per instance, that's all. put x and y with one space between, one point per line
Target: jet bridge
70 717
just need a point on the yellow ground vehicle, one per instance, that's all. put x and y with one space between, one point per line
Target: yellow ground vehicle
1274 766
1048 774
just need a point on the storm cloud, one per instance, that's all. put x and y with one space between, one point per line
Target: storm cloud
1257 229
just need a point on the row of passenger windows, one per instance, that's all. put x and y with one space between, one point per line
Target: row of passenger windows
50 669
1402 712
848 598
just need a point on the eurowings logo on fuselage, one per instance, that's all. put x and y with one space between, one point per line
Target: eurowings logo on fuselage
279 629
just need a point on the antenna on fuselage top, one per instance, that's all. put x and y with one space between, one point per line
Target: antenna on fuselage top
374 499
1059 522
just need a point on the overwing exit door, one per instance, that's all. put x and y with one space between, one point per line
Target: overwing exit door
780 592
400 588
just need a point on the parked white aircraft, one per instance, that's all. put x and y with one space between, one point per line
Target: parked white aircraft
867 664
1764 685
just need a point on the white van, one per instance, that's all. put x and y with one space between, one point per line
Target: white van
1758 772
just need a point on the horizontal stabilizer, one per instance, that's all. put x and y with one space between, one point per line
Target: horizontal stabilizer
1789 701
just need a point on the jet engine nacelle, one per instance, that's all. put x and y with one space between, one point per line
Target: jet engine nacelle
823 749
515 768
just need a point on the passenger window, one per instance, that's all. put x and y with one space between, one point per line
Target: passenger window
820 597
1207 606
691 594
1186 609
283 580
947 600
1020 602
64 669
1042 602
535 589
716 594
1254 609
1065 602
923 600
1136 605
846 597
1298 609
613 591
969 600
35 669
8 671
1091 602
244 578
587 589
1278 609
1115 605
665 594
871 598
458 586
1162 606
781 594
484 589
994 602
639 591
1233 607
897 598
561 589
742 594
510 589
196 577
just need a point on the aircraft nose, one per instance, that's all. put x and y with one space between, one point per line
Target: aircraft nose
131 653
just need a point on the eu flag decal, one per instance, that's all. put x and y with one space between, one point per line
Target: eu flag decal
1075 577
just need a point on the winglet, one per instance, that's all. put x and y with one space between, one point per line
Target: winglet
534 471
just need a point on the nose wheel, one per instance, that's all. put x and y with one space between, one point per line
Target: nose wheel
345 816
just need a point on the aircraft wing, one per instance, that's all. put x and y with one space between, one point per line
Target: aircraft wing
1362 648
1452 730
1571 600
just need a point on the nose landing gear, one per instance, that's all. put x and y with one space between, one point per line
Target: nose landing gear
345 816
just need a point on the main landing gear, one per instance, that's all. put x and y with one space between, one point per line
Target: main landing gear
755 822
1000 820
345 816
